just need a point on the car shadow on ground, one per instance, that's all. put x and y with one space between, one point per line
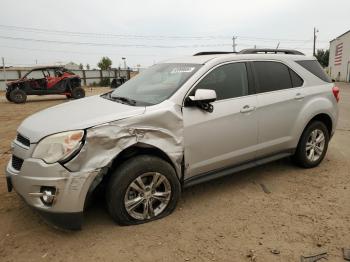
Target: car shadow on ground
97 214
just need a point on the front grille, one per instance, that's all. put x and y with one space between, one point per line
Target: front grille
23 140
17 163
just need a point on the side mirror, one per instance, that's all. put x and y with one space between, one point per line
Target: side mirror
202 98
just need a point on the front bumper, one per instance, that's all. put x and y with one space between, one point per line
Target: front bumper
71 190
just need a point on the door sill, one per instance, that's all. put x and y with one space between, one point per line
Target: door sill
201 178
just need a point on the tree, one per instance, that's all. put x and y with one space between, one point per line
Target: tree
87 67
105 63
322 57
81 67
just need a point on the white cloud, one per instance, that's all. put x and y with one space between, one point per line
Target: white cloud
253 18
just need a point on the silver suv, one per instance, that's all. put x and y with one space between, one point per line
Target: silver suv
179 123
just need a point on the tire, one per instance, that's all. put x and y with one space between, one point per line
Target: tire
8 96
303 156
78 92
18 96
146 168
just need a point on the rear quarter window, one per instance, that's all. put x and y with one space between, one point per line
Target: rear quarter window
272 76
315 68
297 81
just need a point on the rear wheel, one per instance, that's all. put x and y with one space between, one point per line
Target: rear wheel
312 146
18 96
8 96
142 189
78 92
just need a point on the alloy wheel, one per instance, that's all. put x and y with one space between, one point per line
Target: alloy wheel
147 196
315 145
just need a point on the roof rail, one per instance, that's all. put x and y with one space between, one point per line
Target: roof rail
213 53
271 51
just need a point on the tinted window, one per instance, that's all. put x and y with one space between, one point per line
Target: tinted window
272 76
228 81
315 68
296 80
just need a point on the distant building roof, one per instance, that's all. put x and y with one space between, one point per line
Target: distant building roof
340 35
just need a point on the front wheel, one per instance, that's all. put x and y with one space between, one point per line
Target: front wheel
8 96
18 96
78 92
312 146
142 189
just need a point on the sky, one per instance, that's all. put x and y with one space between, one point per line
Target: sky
145 32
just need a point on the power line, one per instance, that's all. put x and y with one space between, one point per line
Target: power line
78 52
75 33
152 37
109 44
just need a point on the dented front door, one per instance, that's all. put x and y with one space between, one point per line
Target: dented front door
223 138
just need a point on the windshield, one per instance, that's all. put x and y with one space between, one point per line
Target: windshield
36 74
155 84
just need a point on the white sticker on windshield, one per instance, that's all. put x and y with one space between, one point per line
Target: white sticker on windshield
182 69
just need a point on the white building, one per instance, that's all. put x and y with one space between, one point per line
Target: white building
339 58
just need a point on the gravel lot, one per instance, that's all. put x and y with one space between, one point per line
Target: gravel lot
306 212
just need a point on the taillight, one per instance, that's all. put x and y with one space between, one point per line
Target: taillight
336 91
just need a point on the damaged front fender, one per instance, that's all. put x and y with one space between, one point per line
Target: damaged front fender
160 127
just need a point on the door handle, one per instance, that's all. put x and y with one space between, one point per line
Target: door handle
299 96
247 109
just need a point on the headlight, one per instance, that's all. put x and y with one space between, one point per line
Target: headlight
59 147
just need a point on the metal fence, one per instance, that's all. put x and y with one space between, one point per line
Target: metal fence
88 77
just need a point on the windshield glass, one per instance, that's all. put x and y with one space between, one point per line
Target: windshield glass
36 74
155 84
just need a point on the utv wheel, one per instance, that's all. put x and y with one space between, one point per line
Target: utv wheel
78 92
312 146
18 96
8 96
142 189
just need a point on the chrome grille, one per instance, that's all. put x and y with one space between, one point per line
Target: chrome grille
23 140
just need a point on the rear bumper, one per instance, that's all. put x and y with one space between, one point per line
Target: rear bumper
71 190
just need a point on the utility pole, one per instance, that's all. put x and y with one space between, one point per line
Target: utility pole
3 68
124 59
234 44
314 48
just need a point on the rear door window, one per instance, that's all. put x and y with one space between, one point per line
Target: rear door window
315 68
272 76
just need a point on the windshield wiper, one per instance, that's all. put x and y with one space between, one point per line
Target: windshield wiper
124 100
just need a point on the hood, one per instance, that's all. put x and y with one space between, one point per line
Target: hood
8 83
78 114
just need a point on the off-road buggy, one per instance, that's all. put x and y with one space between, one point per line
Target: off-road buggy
51 80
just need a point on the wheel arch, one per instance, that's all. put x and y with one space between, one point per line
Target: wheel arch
325 119
143 149
132 151
322 108
322 117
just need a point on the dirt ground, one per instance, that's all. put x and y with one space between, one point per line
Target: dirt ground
306 212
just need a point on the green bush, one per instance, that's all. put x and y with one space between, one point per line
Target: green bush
105 82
